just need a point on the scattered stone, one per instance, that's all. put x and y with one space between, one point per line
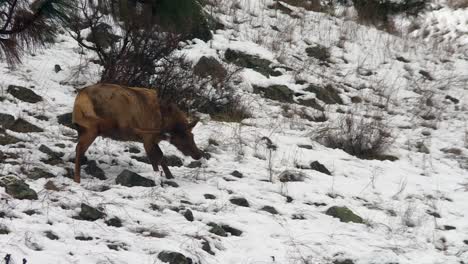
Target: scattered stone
269 209
89 213
50 235
217 230
172 184
6 139
356 100
292 176
343 261
280 93
289 199
51 153
57 68
83 238
23 126
319 52
114 221
454 151
50 185
30 212
174 161
131 179
327 94
240 202
189 215
66 120
134 150
298 217
434 214
17 188
117 246
206 247
448 227
6 120
312 102
209 66
250 61
453 99
233 231
426 75
194 164
344 214
174 258
237 174
93 170
24 94
305 146
38 173
209 196
402 59
315 165
4 230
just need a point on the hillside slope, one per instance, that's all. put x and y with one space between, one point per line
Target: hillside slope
412 209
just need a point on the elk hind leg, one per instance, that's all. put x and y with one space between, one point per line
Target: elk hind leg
86 137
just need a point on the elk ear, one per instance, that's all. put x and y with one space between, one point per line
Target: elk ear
193 124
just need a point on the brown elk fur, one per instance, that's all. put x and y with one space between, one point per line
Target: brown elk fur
130 114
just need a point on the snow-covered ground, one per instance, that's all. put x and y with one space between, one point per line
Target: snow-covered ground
409 205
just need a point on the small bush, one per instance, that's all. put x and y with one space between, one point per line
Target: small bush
359 136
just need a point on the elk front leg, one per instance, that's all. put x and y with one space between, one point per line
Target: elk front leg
154 156
164 166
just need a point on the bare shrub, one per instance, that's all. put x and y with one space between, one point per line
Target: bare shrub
359 136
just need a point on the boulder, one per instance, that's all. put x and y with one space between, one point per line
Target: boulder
131 179
269 209
327 94
315 165
280 93
17 188
89 213
240 202
292 176
66 120
24 94
6 120
38 173
174 258
209 66
93 170
319 52
344 214
114 221
250 61
174 161
217 229
23 126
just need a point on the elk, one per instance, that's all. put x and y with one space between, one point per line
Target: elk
131 114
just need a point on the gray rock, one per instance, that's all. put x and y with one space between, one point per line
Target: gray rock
89 213
231 230
114 221
319 52
280 93
237 174
23 126
217 229
209 196
189 215
194 164
172 184
24 94
93 170
315 165
209 66
131 179
50 152
57 68
174 161
206 247
51 235
312 102
17 188
6 120
240 202
292 176
344 214
66 120
269 209
38 173
250 61
174 258
6 139
327 94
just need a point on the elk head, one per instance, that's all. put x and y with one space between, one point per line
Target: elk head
181 137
